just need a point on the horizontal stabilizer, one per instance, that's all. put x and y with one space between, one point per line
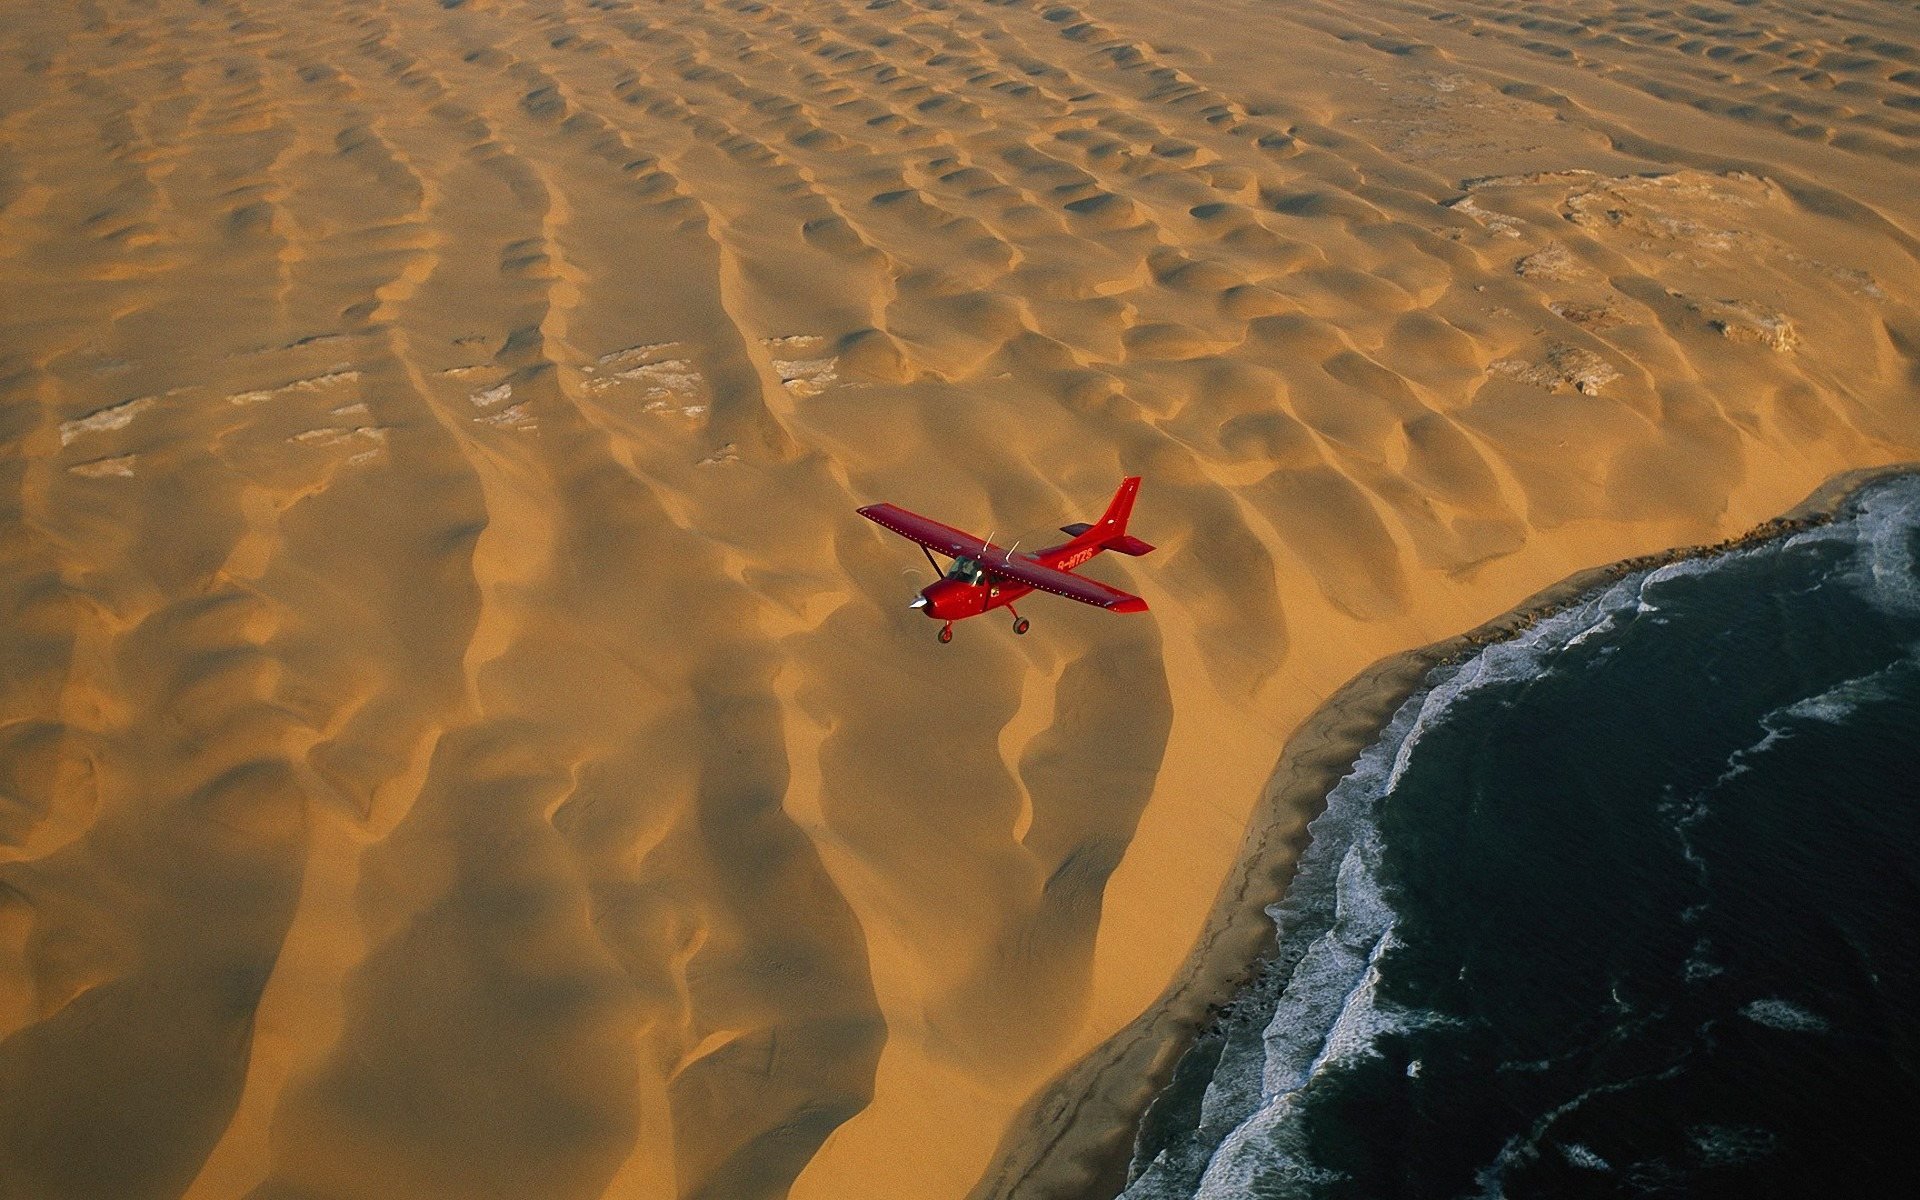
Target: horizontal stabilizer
1075 529
1129 545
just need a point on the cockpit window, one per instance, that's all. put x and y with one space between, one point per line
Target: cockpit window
966 570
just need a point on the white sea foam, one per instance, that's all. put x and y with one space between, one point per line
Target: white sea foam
1685 814
1524 1148
1700 965
1729 1145
1682 568
1520 658
1783 1015
1879 522
1835 706
1890 514
1840 702
1605 625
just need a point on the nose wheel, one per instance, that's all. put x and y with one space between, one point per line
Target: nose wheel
946 633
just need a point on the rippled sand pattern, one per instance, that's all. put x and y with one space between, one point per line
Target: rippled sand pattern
456 739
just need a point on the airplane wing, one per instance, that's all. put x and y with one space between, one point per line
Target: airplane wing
929 533
1062 583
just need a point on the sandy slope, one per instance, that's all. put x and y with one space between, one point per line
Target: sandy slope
456 738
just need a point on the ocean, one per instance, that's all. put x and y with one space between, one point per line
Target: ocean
1628 905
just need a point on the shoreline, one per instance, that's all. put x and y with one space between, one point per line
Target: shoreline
1075 1139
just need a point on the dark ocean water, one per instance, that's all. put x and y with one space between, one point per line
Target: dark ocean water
1629 906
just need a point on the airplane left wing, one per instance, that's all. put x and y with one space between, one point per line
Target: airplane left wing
1062 583
929 533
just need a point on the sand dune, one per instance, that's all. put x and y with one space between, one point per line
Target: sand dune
458 739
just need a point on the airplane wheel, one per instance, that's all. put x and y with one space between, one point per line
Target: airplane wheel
1020 625
946 634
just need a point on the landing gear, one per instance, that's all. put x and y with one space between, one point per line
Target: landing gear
1020 625
946 633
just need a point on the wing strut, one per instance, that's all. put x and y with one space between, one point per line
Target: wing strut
937 572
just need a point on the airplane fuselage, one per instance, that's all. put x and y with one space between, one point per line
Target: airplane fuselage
954 598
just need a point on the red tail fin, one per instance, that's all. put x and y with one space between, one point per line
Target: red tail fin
1113 522
1110 532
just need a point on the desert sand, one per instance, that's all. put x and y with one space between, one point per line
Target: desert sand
456 737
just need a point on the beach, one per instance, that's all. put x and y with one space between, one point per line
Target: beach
457 737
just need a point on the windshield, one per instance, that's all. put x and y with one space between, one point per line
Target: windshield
967 570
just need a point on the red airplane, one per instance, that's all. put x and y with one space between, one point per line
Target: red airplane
983 576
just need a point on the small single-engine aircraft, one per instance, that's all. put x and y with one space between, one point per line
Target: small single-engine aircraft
983 576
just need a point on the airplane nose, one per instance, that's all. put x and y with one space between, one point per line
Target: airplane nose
918 602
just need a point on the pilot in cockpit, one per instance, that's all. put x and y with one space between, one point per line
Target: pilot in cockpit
967 571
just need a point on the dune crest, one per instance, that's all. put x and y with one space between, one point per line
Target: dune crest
458 739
